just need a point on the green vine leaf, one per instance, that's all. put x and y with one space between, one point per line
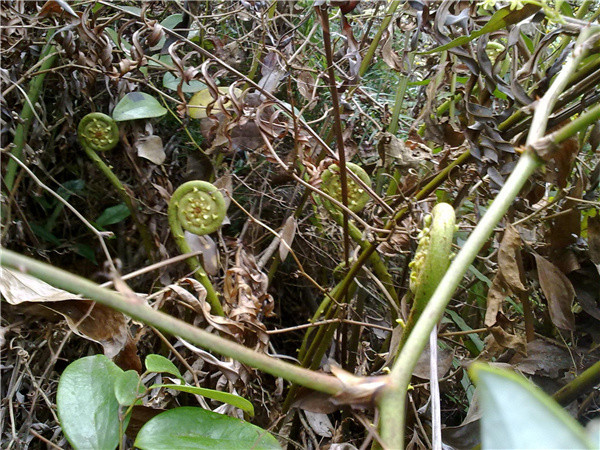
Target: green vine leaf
225 397
137 105
189 427
160 364
87 407
113 214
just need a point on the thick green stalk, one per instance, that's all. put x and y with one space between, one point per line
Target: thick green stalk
392 399
583 383
199 208
366 62
49 53
139 310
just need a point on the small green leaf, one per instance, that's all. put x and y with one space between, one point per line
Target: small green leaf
87 408
171 82
137 105
113 214
41 232
196 428
126 387
225 397
537 423
157 363
86 251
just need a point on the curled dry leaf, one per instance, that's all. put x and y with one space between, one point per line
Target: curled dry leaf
208 247
245 291
558 291
151 148
508 340
444 363
233 370
288 232
593 233
87 319
544 359
306 87
200 305
508 279
566 226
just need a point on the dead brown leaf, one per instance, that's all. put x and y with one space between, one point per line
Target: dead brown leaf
245 291
306 86
558 291
87 319
593 233
566 227
543 358
288 232
508 279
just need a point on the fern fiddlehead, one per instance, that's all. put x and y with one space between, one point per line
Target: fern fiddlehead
332 185
199 208
431 261
98 132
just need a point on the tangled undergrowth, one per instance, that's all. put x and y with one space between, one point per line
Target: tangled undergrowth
430 101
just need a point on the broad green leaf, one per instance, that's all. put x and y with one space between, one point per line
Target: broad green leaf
171 82
126 387
137 105
517 414
172 21
196 428
501 19
158 364
87 408
225 397
113 214
201 99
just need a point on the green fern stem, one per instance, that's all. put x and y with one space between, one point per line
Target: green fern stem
199 208
98 132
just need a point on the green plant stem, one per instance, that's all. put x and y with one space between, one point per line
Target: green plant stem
401 91
573 127
205 190
365 255
392 399
122 192
366 62
49 55
583 383
378 266
139 310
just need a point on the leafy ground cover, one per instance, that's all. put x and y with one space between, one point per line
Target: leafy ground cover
310 260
